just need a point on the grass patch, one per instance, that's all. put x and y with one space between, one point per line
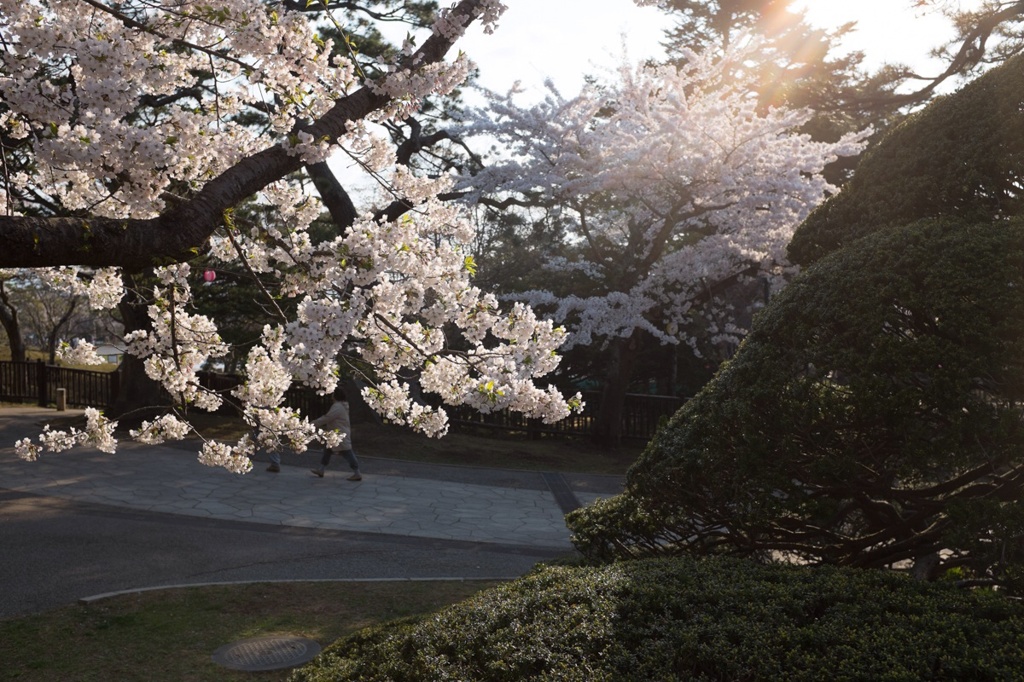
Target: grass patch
34 355
169 636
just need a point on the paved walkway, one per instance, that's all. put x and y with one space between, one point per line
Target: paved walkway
394 498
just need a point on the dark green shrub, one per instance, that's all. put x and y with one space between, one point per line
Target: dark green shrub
872 416
687 619
961 156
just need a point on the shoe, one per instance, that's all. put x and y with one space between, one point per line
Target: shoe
355 477
273 468
318 472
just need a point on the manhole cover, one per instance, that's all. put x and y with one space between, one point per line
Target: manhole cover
266 653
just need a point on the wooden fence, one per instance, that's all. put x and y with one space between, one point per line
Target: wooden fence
641 416
304 399
37 382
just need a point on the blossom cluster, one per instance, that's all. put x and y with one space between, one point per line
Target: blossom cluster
98 433
102 287
163 428
452 24
408 87
78 352
236 458
670 180
389 293
123 114
180 343
80 80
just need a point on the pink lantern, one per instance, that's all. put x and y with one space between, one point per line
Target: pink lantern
209 276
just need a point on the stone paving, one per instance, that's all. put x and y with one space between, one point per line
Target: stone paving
439 502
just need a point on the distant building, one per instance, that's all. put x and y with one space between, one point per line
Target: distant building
110 353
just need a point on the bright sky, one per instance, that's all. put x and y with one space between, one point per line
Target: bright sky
565 39
887 30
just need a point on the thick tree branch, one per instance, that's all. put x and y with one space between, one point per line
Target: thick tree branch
417 141
336 199
972 49
183 230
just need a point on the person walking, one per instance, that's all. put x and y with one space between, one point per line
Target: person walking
337 419
275 463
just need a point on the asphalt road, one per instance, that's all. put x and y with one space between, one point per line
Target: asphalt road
54 552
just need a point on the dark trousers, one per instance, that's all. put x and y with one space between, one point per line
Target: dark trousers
349 455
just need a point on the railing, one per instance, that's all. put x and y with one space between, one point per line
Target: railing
297 397
641 416
19 382
38 382
307 401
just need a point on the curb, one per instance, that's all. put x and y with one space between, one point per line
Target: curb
85 601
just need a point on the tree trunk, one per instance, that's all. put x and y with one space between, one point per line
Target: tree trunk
9 319
137 394
54 336
608 433
668 379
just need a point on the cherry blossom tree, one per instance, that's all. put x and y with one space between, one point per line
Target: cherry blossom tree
50 315
671 184
130 150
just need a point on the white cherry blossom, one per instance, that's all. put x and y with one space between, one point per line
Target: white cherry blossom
117 124
668 180
98 433
78 352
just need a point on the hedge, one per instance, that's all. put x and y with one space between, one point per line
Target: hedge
962 155
691 619
871 417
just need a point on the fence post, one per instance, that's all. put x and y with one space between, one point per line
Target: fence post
41 383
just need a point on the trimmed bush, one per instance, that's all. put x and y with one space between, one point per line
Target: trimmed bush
691 619
871 417
962 156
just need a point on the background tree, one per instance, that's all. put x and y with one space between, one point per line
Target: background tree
987 33
793 66
51 316
667 187
796 65
800 66
41 312
872 417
